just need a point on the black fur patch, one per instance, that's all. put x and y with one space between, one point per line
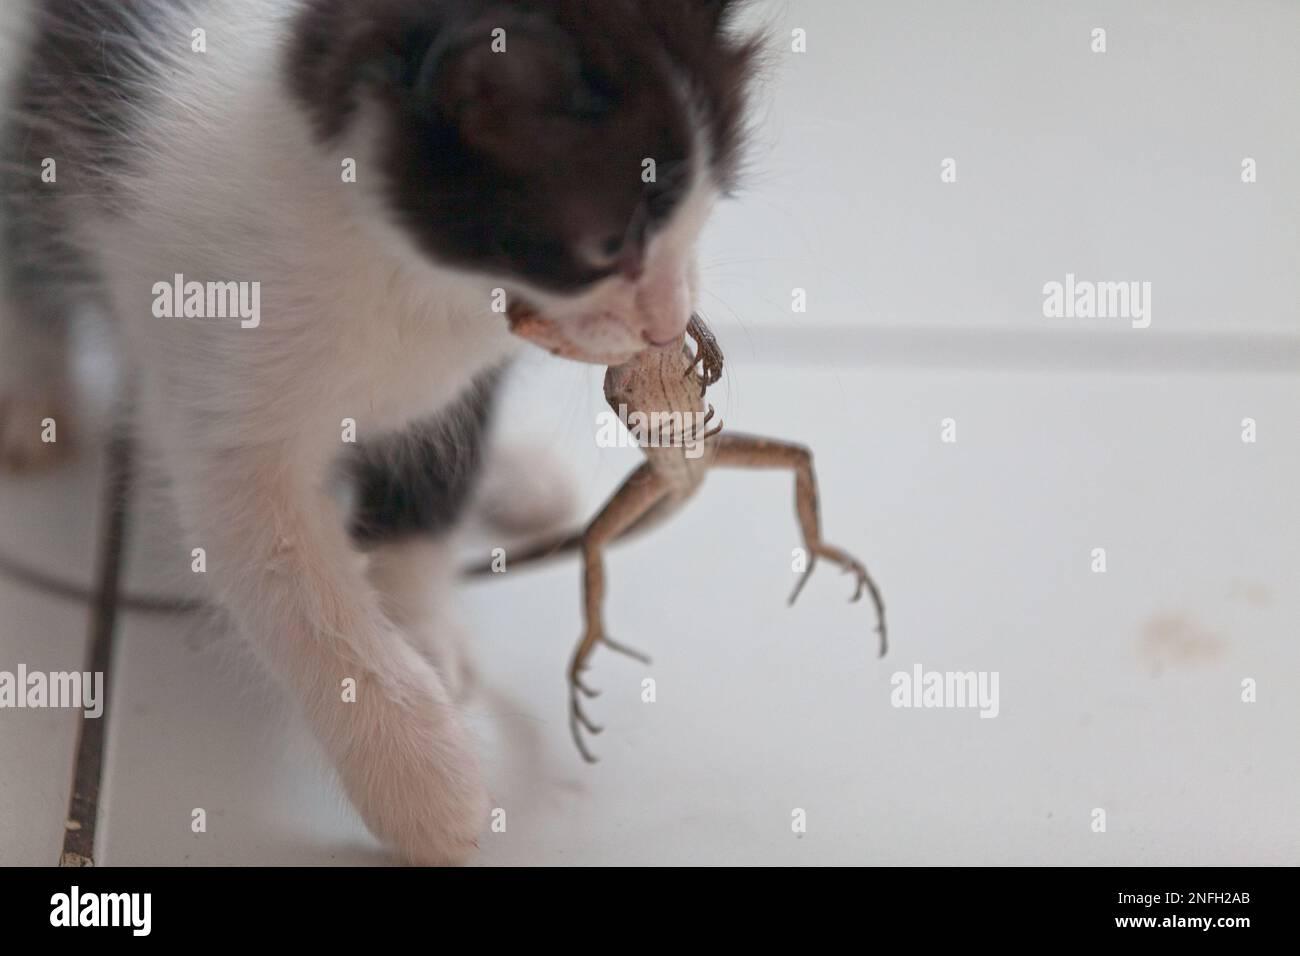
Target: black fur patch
76 102
422 480
516 162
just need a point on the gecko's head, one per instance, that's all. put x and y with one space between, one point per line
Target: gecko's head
655 377
565 151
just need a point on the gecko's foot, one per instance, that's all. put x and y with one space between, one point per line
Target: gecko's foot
708 356
865 585
696 437
624 649
578 719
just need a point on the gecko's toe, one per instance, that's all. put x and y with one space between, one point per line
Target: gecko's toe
579 721
578 742
803 579
624 649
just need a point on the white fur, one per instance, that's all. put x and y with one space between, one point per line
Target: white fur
247 423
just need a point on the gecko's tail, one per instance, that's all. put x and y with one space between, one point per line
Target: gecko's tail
538 553
562 545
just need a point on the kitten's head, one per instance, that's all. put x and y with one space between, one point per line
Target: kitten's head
569 149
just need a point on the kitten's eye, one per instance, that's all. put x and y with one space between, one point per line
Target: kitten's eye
602 253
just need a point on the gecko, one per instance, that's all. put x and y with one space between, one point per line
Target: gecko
668 386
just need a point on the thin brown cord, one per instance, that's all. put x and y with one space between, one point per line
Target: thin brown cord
71 591
87 773
66 590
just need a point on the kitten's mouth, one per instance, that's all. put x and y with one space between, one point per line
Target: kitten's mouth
531 325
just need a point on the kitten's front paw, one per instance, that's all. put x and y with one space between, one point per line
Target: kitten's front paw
415 779
33 427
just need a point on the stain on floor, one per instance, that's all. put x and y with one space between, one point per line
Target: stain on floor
1177 640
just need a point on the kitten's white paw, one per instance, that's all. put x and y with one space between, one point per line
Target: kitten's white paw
29 415
526 491
414 777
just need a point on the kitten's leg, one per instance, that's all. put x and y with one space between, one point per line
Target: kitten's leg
412 490
415 577
279 551
35 378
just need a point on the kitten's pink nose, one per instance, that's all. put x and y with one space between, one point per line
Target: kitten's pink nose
663 306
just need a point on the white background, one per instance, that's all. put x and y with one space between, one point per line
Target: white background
1119 691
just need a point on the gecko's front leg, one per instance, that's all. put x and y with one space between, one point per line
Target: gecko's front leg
708 354
748 451
643 489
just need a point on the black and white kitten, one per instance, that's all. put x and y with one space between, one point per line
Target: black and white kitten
385 171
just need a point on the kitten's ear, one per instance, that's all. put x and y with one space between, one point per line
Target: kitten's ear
719 10
497 74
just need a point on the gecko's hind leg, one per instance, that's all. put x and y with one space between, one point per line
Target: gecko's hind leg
641 492
748 451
